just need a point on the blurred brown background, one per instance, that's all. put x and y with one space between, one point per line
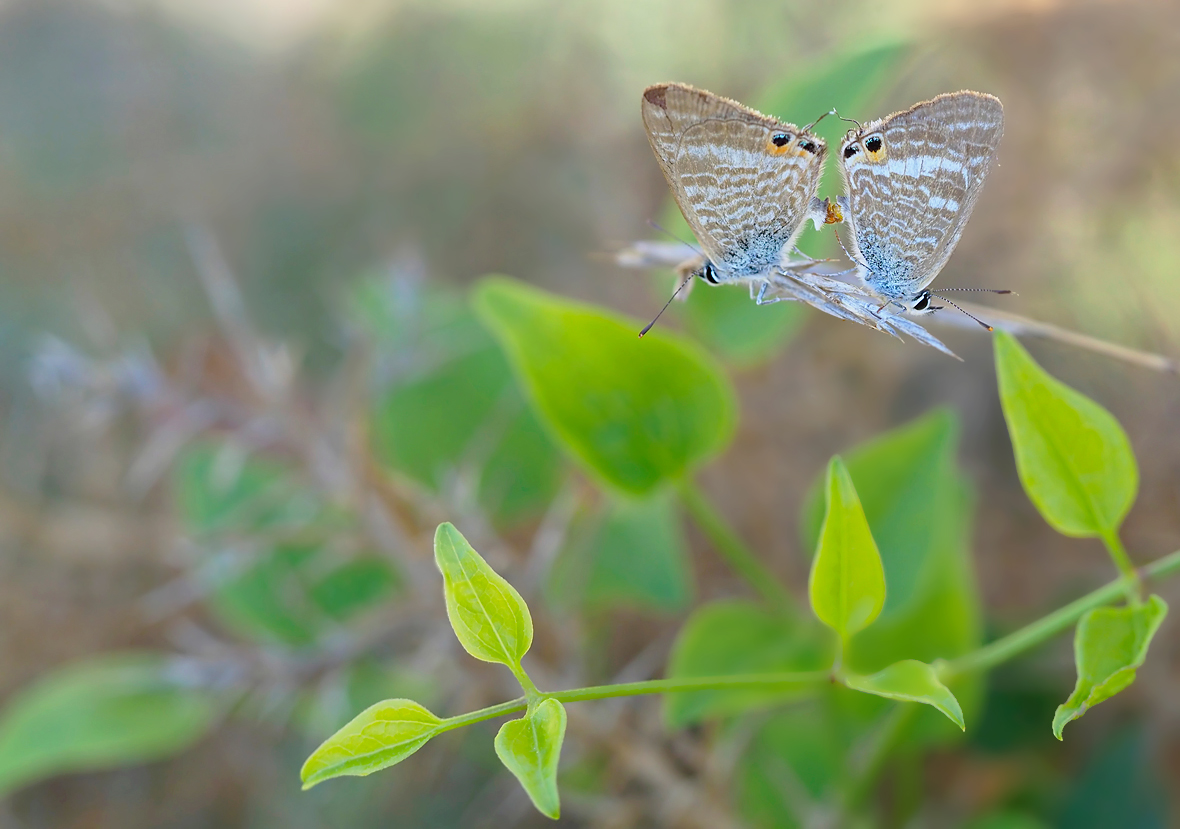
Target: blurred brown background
324 140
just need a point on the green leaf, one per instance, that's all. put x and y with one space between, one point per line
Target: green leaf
218 488
378 737
847 584
1073 457
468 414
635 413
740 637
268 602
109 711
918 505
488 616
354 586
1109 645
910 681
901 478
633 555
286 598
530 748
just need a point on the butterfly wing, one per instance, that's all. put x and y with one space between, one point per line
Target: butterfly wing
911 192
744 190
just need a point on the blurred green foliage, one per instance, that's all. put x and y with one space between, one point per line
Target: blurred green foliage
102 713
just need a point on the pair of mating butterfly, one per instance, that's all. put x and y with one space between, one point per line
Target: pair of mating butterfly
746 183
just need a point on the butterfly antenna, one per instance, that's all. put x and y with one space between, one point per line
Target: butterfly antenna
811 126
985 290
647 327
654 224
849 120
968 313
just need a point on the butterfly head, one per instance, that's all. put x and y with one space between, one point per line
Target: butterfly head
709 273
922 303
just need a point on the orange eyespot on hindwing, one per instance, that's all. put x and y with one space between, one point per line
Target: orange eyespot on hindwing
780 143
875 146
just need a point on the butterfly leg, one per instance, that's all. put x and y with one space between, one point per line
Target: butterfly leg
761 299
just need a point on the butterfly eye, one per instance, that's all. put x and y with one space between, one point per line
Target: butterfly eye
923 301
809 146
780 139
873 143
851 150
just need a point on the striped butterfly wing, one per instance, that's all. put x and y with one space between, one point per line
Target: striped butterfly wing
744 181
912 180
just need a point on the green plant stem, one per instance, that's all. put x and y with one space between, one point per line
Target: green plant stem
736 553
982 659
782 681
1059 620
1118 554
526 683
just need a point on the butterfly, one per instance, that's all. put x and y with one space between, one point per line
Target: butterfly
745 182
912 180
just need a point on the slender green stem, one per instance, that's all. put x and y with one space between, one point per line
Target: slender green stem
1059 620
472 717
731 547
782 681
530 690
1122 561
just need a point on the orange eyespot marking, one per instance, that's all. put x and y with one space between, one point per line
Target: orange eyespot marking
875 148
779 143
834 214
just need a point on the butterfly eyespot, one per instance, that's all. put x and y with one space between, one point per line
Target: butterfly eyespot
780 139
851 150
873 143
808 146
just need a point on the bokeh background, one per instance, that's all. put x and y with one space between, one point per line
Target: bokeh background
186 185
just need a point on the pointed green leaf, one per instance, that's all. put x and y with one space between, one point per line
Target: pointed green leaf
847 584
918 505
1109 645
1073 457
108 711
635 413
378 737
530 748
489 617
910 681
740 637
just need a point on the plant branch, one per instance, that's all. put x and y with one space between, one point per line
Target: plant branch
732 549
783 681
1118 554
1059 620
